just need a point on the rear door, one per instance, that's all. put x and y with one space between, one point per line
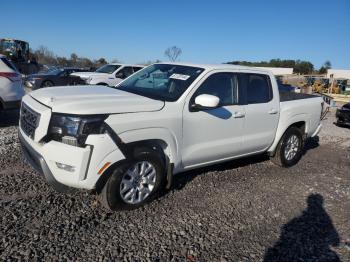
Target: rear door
262 112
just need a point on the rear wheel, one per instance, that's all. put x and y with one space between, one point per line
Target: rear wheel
135 183
289 149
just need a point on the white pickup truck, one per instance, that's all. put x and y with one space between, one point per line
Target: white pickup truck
108 75
127 142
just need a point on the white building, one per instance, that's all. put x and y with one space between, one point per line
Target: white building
278 70
338 73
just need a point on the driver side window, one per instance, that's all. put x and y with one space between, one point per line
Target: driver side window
222 85
124 72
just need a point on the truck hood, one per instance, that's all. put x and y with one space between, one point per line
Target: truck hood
86 75
87 100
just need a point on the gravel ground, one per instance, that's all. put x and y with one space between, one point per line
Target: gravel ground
245 210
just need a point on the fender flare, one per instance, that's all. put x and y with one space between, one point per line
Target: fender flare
171 149
283 126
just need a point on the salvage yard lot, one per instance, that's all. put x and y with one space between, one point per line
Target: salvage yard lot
244 210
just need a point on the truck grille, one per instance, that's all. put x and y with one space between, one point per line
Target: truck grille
29 120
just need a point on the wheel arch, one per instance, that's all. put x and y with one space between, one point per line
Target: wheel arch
130 150
300 124
161 138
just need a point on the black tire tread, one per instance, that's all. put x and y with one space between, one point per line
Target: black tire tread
278 158
105 193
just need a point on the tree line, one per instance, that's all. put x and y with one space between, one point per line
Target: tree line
299 66
43 55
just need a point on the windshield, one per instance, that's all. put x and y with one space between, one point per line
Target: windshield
161 81
7 45
109 69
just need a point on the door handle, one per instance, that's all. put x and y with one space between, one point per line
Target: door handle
273 111
238 115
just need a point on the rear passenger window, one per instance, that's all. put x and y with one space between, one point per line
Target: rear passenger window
258 88
222 85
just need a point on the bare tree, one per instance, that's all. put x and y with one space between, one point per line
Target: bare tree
173 53
45 56
74 57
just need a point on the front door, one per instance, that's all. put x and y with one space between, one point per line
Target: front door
214 134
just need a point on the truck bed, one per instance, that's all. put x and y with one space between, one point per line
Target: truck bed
290 96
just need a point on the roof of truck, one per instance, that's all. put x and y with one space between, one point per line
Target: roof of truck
217 66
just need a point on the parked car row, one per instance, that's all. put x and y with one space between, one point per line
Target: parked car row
56 77
108 75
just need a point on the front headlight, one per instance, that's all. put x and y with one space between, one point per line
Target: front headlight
74 130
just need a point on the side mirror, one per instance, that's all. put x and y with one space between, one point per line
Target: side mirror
203 102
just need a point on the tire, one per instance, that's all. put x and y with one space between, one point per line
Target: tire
286 145
114 193
47 84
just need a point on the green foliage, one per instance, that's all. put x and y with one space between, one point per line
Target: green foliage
301 67
322 70
327 65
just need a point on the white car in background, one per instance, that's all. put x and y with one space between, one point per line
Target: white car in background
11 89
108 75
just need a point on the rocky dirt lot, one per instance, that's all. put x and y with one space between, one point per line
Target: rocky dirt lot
245 210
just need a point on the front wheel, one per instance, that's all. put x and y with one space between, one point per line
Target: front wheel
289 149
135 183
